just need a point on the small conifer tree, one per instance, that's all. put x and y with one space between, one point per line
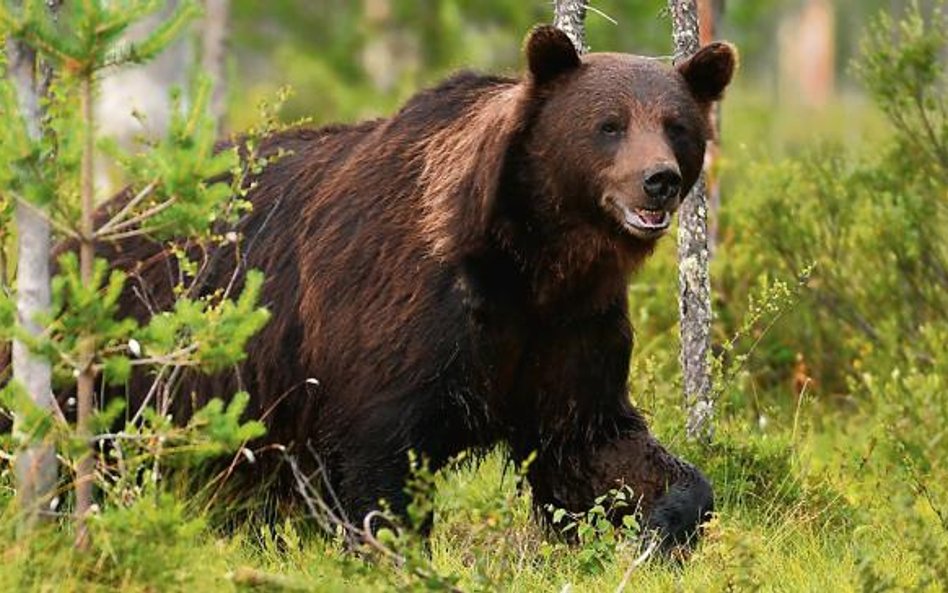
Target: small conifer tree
179 188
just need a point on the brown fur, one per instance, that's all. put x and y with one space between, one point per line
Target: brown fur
453 278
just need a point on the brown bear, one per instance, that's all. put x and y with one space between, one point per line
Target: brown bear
454 277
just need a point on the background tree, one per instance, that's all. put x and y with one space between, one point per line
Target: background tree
214 33
709 13
693 251
570 17
134 103
694 278
36 464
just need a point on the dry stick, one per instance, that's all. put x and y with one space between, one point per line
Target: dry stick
155 386
85 387
139 232
324 515
122 214
140 217
694 284
645 555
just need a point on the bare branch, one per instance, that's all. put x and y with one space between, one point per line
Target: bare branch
127 208
645 555
141 217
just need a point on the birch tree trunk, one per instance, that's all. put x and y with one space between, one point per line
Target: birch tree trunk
214 38
36 469
694 284
569 17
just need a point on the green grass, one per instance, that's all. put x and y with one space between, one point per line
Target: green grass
811 512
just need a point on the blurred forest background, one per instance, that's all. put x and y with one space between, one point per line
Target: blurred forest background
352 59
830 288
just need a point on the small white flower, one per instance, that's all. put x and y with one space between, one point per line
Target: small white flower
231 237
71 402
134 347
762 422
248 454
54 503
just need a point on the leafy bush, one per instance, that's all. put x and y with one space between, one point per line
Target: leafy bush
871 221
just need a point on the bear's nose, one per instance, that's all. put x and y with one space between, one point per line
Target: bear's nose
662 183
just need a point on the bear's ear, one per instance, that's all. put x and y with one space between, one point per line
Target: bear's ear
709 71
550 53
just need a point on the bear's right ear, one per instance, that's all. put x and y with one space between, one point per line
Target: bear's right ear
710 70
550 53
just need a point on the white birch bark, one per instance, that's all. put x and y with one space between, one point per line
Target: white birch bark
694 282
214 39
569 17
36 469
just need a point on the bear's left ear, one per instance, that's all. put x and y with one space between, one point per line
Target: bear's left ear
709 71
550 53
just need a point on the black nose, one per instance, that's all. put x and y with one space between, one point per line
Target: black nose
662 183
687 504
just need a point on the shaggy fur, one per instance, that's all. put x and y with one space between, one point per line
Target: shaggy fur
452 278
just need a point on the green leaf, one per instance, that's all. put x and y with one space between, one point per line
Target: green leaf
630 522
116 370
558 516
103 420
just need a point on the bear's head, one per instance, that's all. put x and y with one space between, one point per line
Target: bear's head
613 143
621 138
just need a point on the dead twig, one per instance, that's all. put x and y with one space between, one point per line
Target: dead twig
645 555
331 519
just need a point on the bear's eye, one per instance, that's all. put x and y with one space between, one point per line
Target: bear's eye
676 129
610 128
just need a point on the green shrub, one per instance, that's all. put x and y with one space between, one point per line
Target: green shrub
143 544
871 221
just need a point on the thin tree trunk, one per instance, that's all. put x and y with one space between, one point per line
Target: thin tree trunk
214 38
694 285
85 387
569 17
709 12
36 470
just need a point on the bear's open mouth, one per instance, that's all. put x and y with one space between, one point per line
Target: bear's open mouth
641 220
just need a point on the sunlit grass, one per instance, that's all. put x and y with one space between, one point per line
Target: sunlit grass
799 531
